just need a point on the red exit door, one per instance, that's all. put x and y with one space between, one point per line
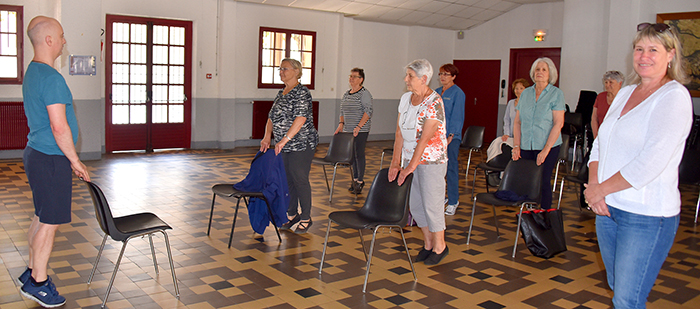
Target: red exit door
479 79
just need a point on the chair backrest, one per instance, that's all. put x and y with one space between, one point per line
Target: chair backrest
524 177
103 213
387 202
564 149
689 169
586 100
573 123
501 160
342 148
473 137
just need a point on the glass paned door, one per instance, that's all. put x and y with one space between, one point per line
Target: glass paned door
148 73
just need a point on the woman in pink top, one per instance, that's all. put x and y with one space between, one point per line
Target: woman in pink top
612 80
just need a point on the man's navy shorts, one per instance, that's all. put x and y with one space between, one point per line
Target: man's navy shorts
51 180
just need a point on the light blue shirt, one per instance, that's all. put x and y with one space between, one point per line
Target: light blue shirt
453 99
536 119
44 86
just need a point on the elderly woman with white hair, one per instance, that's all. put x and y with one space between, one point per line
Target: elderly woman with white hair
538 121
612 80
421 148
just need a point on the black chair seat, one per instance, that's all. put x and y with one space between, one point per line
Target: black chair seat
354 220
227 190
322 161
142 223
490 198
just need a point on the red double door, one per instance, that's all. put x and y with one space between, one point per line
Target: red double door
148 74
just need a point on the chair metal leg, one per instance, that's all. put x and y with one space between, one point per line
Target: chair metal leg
211 213
469 160
471 222
114 273
325 245
233 226
325 176
99 254
517 230
362 242
556 175
369 259
172 267
573 158
474 182
408 254
697 208
495 220
153 252
272 218
561 190
335 169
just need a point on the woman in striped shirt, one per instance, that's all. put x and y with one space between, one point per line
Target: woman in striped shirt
355 115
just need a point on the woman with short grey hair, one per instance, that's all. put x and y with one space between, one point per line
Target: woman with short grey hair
420 148
612 81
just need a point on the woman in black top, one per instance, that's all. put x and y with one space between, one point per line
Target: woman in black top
290 121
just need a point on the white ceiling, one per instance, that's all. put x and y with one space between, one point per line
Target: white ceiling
445 14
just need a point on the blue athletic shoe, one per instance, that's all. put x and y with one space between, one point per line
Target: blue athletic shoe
24 277
46 294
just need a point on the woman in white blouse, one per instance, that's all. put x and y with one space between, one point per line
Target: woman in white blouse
633 180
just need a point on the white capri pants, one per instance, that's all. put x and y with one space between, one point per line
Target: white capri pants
428 196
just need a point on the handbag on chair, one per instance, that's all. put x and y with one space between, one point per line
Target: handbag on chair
543 232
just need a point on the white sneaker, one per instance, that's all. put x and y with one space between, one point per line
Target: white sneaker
446 201
451 209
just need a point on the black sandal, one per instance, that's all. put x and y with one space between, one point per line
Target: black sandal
291 224
358 187
303 227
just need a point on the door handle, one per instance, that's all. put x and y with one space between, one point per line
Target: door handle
474 101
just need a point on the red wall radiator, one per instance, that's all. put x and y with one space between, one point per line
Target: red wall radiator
13 126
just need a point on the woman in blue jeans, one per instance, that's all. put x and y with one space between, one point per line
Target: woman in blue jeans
633 180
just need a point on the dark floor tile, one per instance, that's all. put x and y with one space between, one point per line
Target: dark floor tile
308 292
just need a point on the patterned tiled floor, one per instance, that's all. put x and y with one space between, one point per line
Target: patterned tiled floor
260 272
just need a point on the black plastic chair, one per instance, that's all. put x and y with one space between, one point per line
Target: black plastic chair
341 151
124 229
227 190
689 172
496 165
580 179
563 155
472 140
386 206
523 177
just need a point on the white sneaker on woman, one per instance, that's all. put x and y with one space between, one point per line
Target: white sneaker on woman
451 209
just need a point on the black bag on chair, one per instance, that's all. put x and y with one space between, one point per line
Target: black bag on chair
543 232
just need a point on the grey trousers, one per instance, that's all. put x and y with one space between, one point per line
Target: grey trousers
297 165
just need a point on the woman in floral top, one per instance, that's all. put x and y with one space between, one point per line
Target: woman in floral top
291 122
420 135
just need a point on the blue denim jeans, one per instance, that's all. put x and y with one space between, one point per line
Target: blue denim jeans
453 171
633 248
